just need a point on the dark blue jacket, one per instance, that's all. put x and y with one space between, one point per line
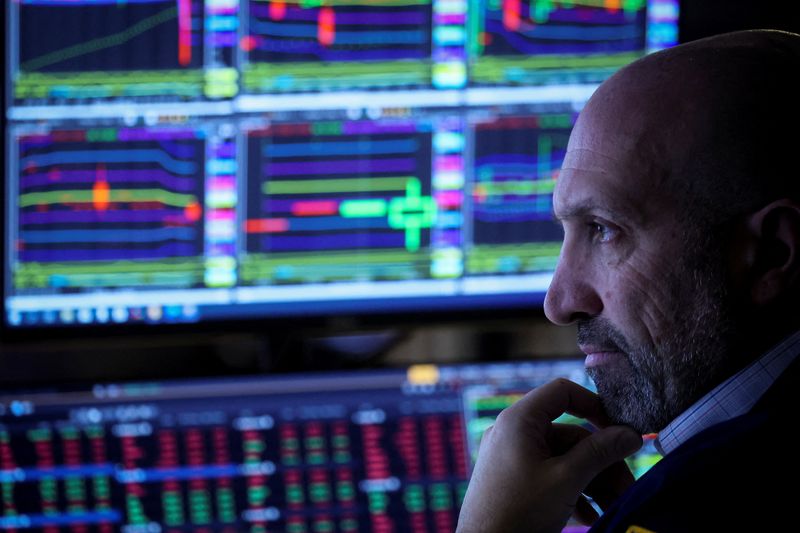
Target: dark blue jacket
741 475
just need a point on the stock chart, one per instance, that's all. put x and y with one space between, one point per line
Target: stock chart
516 164
110 208
242 458
544 42
306 45
108 50
205 160
218 159
339 200
385 450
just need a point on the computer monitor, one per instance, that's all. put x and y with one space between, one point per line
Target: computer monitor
388 450
202 161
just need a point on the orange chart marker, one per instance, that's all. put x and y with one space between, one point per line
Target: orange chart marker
511 14
612 6
277 9
184 32
193 211
326 26
101 192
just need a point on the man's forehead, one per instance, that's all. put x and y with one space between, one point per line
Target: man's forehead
580 191
590 182
609 163
589 160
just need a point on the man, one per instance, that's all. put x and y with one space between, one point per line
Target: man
680 201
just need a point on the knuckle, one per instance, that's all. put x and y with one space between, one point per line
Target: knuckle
503 418
562 383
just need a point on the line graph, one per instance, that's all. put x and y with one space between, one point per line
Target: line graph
530 42
101 43
356 206
110 207
142 48
515 167
309 45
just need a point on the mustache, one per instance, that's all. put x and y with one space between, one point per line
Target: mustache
599 332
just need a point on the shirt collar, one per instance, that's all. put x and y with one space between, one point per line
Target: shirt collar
733 397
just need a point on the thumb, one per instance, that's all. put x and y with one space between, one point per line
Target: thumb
600 450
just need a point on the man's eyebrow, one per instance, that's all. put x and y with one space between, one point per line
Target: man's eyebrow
580 210
575 211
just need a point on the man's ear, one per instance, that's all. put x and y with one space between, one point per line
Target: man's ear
775 261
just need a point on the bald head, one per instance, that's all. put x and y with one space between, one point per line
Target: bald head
679 201
715 120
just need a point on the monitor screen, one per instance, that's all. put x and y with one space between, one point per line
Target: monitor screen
378 451
202 160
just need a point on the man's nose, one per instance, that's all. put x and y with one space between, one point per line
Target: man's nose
571 295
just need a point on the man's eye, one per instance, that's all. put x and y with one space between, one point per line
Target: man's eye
601 232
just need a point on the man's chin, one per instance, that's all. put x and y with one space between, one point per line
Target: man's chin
626 401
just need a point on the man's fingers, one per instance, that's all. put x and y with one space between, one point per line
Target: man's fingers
531 471
546 403
598 451
610 483
563 437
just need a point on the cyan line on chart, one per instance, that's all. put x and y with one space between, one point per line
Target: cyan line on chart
369 147
110 156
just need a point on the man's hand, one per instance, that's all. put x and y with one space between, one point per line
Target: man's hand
530 472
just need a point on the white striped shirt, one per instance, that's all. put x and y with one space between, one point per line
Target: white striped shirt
733 397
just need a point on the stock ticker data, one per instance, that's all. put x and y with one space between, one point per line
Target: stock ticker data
318 45
153 234
360 451
546 41
183 160
348 200
117 50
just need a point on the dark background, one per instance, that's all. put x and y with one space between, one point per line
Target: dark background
703 18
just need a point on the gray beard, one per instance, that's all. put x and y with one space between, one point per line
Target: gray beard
662 380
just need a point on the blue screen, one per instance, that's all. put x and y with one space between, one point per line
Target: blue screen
181 161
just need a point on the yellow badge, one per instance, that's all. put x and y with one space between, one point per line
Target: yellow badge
638 529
